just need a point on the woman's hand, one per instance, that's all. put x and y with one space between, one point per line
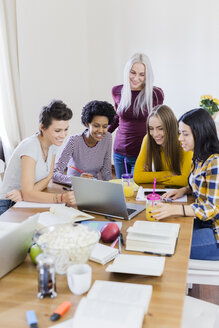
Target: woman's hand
14 195
87 175
163 211
69 198
174 194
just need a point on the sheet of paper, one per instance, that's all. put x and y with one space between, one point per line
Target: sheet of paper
142 197
32 205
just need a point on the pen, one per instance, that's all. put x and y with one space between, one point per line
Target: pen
114 243
120 249
75 168
60 310
67 189
160 254
122 240
109 218
31 319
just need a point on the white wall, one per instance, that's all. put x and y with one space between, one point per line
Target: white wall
76 51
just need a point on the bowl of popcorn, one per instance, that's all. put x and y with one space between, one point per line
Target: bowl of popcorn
68 243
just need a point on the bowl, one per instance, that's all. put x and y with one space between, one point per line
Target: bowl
68 243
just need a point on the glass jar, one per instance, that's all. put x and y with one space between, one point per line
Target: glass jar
128 184
46 275
151 203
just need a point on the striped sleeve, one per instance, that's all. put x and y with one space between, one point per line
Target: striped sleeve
59 172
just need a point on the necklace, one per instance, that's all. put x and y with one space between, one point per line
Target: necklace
44 153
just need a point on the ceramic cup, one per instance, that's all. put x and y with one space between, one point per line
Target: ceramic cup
79 278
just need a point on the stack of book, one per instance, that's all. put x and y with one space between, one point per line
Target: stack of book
112 304
153 237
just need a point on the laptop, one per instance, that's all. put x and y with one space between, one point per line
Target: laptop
15 240
103 197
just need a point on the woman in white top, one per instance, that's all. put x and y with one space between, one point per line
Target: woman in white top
32 163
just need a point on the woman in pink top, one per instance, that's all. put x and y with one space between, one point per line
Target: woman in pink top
133 101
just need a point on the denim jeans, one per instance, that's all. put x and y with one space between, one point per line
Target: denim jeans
5 204
120 166
204 246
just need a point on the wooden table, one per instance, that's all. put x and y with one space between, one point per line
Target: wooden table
18 289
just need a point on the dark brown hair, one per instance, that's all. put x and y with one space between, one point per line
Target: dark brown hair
172 148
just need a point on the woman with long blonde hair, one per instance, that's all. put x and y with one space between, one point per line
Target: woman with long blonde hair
133 102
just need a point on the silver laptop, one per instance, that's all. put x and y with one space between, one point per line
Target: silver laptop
15 239
103 197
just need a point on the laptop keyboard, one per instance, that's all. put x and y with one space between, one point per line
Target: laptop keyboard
130 211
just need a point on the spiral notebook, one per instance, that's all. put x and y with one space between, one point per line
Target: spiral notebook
103 254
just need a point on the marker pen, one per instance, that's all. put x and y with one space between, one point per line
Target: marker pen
60 310
31 319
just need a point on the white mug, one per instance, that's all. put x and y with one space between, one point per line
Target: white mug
79 278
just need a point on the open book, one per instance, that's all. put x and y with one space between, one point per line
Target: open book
113 304
153 237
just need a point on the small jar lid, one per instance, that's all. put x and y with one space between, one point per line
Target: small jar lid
127 176
153 197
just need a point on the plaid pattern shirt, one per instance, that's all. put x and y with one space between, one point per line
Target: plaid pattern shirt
204 181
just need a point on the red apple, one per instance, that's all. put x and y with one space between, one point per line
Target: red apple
109 232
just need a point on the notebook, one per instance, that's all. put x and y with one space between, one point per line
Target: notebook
103 197
113 304
103 254
137 264
153 237
15 244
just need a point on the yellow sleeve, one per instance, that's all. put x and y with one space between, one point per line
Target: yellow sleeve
162 177
142 176
182 180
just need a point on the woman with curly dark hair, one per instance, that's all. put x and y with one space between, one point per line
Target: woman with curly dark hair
89 151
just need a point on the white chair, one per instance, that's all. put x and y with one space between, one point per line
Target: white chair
203 272
198 313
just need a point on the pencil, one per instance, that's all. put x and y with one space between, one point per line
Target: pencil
75 168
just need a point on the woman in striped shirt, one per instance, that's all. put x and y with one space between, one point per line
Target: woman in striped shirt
198 133
90 151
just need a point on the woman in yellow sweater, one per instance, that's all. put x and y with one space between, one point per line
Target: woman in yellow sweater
161 155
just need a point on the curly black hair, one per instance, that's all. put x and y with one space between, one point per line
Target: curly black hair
97 108
56 110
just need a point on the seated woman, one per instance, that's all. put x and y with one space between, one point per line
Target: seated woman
198 134
31 165
161 155
89 151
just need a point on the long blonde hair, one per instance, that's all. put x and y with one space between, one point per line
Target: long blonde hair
145 97
172 148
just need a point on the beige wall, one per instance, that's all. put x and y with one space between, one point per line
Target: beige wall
76 51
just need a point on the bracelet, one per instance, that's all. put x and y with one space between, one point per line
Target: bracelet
57 198
184 213
61 198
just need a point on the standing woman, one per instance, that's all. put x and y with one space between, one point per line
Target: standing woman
198 133
133 102
161 155
31 165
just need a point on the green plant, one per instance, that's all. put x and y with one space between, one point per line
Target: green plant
210 104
